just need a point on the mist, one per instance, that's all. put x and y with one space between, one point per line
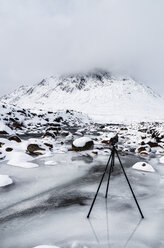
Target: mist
40 38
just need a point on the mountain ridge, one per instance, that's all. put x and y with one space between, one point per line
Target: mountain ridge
95 93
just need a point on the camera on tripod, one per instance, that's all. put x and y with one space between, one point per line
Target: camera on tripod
114 140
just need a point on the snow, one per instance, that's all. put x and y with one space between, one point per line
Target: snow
5 180
4 127
161 160
112 99
143 166
81 141
46 246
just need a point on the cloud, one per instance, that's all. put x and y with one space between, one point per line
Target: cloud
40 38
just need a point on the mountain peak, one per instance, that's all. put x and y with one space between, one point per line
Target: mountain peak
96 93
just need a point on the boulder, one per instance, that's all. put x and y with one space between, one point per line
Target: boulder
15 138
3 132
152 144
9 149
143 166
50 133
48 145
82 144
35 149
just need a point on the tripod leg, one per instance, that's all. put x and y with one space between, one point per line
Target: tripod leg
110 171
99 186
129 185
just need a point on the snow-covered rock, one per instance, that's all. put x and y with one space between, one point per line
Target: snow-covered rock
143 166
5 180
83 143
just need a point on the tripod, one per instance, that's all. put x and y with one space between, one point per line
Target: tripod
112 160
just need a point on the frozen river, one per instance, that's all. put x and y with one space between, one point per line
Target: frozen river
49 204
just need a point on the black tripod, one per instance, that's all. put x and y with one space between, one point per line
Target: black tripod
111 159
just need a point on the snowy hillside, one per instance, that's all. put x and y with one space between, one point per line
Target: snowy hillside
103 97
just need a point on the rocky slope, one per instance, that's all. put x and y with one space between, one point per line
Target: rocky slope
102 96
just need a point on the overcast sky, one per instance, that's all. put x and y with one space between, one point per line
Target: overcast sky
39 38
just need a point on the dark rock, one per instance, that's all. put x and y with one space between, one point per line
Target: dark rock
49 145
142 143
3 132
58 119
15 138
152 144
64 133
9 149
142 130
50 134
123 129
34 149
141 149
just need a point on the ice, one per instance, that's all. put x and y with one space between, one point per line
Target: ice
49 204
5 180
21 160
161 160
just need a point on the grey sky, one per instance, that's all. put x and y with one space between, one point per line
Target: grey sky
39 38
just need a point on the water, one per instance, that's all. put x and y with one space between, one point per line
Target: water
49 204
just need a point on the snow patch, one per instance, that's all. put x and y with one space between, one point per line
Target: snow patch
5 180
143 166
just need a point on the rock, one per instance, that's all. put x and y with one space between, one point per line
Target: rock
2 155
143 166
49 134
144 153
49 145
142 130
143 148
123 129
83 143
9 149
1 144
58 119
152 144
15 138
35 149
65 133
3 132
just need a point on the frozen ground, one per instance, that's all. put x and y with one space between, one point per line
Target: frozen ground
48 205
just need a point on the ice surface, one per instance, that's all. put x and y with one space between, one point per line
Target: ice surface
161 160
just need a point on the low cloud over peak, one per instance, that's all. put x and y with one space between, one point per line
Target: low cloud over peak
41 38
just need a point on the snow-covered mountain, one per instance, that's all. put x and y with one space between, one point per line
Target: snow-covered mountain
103 97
